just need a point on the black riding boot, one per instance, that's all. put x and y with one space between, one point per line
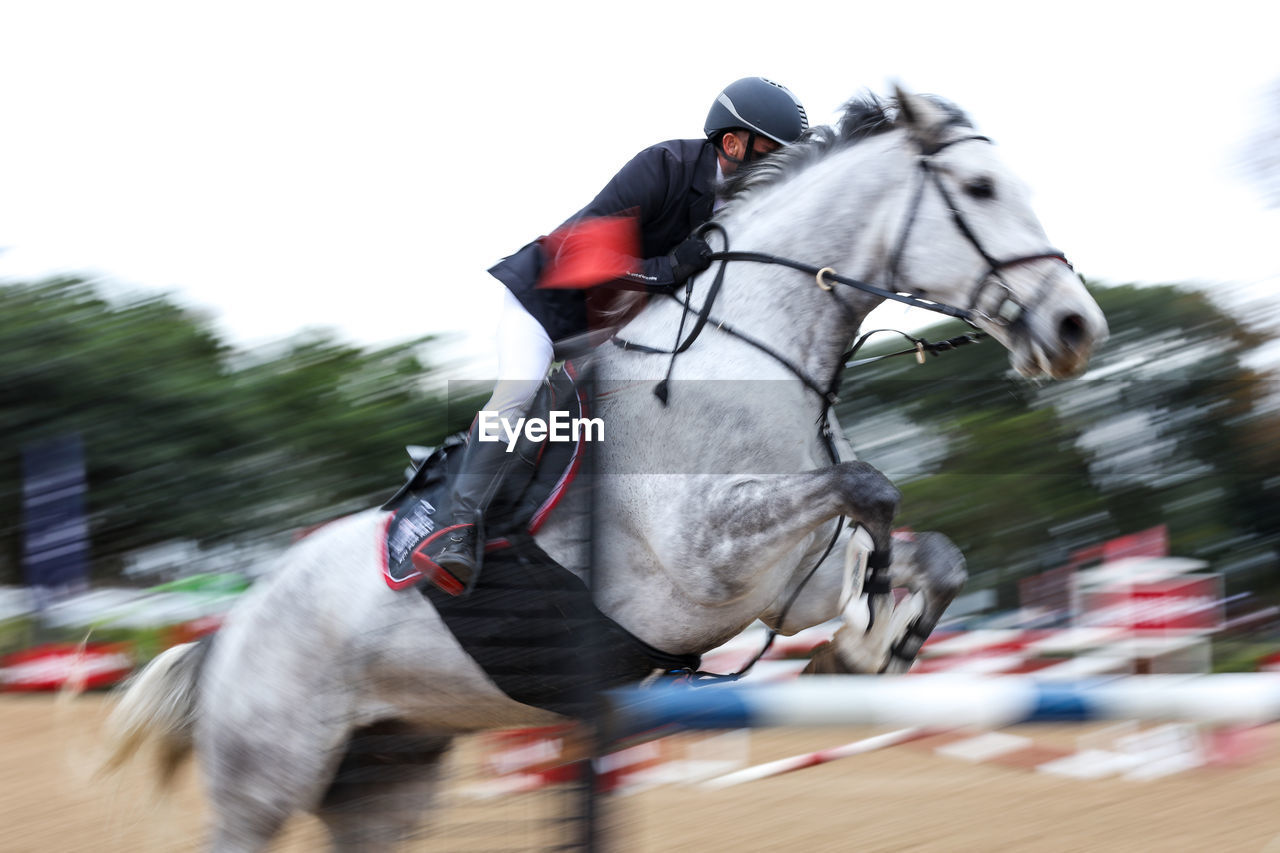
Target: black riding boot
483 467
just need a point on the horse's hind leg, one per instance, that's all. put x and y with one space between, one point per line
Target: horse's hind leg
258 776
268 742
383 786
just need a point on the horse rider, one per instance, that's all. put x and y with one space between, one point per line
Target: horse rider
670 189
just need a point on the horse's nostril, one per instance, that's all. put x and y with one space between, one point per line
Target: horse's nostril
1073 331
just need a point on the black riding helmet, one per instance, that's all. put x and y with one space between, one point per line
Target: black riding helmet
758 106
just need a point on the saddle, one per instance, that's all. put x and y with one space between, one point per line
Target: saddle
531 624
534 485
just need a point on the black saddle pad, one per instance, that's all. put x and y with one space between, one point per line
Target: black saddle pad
532 626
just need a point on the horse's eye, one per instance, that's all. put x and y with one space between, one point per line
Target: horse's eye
980 188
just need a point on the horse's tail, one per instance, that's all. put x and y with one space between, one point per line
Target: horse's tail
159 704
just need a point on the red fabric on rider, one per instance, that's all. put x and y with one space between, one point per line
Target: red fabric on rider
589 252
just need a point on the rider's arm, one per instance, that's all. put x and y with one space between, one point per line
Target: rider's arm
644 187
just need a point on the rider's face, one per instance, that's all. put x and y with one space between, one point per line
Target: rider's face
735 146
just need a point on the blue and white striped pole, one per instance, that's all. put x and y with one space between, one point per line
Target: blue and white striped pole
950 701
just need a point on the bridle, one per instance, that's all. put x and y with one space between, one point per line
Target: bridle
1000 316
1007 313
827 277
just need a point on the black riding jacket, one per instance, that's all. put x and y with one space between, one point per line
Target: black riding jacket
669 186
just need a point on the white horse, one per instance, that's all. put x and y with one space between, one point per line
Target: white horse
714 509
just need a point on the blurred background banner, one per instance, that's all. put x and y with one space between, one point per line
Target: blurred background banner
55 553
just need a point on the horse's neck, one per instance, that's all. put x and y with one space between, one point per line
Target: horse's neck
840 212
834 214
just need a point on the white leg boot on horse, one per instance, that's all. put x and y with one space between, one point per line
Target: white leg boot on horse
932 567
881 636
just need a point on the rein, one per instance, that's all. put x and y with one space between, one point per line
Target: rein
826 276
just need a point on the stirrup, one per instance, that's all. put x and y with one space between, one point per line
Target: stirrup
444 578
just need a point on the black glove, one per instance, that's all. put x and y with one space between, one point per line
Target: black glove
690 257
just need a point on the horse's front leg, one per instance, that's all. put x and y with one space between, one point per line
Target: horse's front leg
879 635
932 568
734 523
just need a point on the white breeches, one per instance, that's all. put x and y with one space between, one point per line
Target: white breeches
524 356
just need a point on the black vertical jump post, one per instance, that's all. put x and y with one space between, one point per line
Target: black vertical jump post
591 796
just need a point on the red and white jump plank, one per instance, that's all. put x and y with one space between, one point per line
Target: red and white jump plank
813 759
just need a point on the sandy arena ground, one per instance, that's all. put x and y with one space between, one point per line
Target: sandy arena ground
905 798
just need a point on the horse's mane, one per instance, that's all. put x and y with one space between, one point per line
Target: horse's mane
864 116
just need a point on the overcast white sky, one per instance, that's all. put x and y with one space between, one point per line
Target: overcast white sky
360 165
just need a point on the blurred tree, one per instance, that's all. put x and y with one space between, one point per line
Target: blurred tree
1170 426
73 363
328 423
185 440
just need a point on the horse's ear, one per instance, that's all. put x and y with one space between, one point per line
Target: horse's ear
920 117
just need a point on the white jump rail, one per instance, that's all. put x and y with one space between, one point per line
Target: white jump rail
947 700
